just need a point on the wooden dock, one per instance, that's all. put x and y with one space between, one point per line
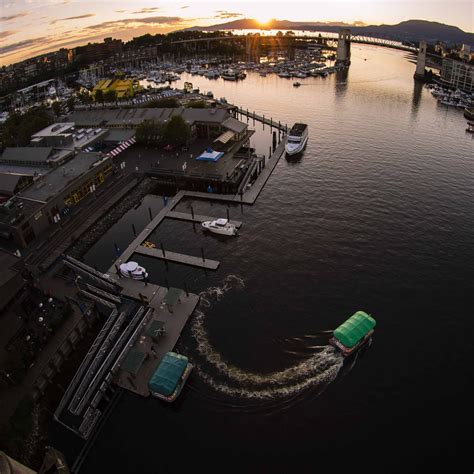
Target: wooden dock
261 118
178 258
184 216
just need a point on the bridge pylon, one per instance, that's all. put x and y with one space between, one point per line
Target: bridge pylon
344 46
421 62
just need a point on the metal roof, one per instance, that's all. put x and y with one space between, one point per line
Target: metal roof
354 329
235 125
167 375
225 137
8 182
27 154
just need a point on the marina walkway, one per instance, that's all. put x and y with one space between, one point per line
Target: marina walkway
183 216
178 258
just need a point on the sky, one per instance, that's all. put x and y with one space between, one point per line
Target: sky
32 27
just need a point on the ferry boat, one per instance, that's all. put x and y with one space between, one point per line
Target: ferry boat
170 376
133 270
353 333
297 139
220 226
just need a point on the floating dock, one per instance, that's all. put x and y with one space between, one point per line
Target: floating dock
178 257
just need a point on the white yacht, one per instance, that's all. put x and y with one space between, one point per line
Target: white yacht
220 226
133 270
229 75
297 139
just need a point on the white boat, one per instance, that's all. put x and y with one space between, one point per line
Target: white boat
229 75
297 139
220 226
133 270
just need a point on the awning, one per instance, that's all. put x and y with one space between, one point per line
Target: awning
122 147
225 137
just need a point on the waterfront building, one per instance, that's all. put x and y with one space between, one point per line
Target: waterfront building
124 88
458 75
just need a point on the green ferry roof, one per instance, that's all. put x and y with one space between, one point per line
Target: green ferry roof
167 375
354 329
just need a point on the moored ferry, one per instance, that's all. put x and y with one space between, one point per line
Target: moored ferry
353 333
297 139
170 376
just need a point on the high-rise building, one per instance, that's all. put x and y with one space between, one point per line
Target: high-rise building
458 74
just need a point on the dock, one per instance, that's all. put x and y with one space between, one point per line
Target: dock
196 218
149 349
174 257
261 118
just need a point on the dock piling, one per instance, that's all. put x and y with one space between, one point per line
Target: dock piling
263 122
228 214
150 214
186 288
192 212
202 253
134 230
163 249
118 271
117 250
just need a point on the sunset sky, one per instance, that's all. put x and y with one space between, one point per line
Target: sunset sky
31 27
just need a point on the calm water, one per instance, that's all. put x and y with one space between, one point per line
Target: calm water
378 216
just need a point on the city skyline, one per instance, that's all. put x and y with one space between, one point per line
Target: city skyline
31 27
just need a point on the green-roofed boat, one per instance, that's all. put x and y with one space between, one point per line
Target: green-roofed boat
170 376
354 333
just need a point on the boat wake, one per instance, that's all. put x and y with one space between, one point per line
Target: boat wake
320 369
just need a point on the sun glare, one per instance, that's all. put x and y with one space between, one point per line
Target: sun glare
263 20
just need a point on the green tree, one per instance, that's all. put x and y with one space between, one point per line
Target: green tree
71 103
279 34
167 102
56 108
150 133
110 95
176 132
197 104
85 97
99 95
290 33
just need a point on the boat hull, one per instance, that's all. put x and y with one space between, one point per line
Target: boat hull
347 351
295 151
229 229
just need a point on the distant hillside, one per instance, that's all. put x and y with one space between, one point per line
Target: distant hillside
410 30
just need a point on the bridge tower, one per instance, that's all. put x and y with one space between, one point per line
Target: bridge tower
344 46
421 61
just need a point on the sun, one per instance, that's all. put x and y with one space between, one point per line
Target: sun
263 20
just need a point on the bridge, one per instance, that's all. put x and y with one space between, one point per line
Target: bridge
328 39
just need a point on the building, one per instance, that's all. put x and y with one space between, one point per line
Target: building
458 75
93 52
49 194
465 53
123 88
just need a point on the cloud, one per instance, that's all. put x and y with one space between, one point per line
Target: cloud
87 15
6 34
120 11
13 17
152 20
225 14
11 48
146 10
183 7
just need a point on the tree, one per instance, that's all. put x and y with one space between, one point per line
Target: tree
167 102
110 95
176 132
290 33
197 104
85 97
56 108
99 95
71 103
150 133
279 34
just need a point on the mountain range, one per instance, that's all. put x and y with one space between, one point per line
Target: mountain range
410 30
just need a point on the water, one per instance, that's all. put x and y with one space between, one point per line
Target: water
378 216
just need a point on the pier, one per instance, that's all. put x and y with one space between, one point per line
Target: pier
261 118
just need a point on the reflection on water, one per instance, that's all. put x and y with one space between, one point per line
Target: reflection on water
377 215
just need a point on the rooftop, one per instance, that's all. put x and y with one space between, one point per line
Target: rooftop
52 183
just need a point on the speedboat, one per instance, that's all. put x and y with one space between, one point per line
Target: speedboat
297 139
220 226
133 270
296 84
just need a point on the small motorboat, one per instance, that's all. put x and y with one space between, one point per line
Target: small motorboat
296 84
220 226
133 270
